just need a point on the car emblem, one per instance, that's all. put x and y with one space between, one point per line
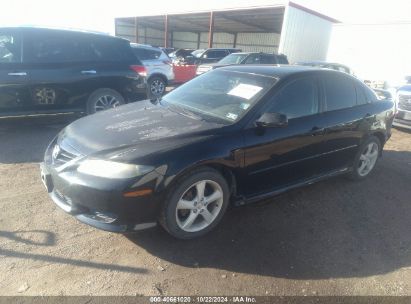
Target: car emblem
56 151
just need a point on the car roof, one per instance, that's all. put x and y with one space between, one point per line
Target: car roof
321 63
250 53
144 46
277 71
60 30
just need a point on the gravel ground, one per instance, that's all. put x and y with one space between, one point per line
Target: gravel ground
332 238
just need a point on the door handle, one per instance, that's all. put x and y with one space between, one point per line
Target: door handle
17 74
317 131
89 72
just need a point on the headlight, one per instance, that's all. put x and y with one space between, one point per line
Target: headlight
110 169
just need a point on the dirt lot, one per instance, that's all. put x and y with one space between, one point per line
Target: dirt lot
333 238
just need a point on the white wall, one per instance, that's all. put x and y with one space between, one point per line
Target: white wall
374 52
304 36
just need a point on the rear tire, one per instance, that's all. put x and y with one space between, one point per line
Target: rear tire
366 159
196 204
156 87
104 99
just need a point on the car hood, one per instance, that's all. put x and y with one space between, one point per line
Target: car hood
215 65
140 127
405 88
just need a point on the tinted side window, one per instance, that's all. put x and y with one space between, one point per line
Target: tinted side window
216 54
253 59
268 59
53 48
153 54
370 94
10 47
361 97
300 98
111 50
339 92
282 59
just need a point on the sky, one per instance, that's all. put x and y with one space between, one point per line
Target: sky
98 15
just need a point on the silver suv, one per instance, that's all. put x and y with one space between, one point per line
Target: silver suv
159 68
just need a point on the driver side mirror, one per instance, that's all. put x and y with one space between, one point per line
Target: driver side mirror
272 120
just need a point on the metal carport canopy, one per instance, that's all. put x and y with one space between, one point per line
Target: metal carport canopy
261 19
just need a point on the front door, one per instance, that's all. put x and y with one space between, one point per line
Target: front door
13 77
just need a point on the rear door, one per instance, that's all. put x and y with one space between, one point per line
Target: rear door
347 119
13 75
60 69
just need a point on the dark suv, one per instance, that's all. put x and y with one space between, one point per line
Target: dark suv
244 58
209 55
55 71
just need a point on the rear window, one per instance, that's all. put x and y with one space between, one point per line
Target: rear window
216 54
146 54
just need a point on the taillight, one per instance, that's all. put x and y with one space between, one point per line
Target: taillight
139 69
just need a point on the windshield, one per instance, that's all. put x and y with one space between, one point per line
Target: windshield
233 59
198 53
222 95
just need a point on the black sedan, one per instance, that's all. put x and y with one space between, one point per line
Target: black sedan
234 135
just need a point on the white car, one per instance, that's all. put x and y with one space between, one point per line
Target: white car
159 68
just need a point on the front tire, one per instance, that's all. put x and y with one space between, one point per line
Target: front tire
104 99
366 158
196 204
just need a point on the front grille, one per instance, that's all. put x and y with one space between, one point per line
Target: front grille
404 102
61 156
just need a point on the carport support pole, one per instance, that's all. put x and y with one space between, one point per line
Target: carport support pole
136 29
211 31
235 40
166 31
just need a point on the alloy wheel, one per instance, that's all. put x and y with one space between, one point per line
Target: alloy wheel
106 102
157 87
368 159
199 206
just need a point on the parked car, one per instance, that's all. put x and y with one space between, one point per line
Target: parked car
209 55
167 50
158 65
244 58
179 55
54 71
403 114
234 135
328 65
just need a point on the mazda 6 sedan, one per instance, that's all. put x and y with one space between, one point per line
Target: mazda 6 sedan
233 136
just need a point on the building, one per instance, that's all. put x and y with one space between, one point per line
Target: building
287 28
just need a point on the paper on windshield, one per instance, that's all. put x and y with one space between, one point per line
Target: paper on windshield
246 91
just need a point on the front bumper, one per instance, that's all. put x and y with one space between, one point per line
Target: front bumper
402 119
100 202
